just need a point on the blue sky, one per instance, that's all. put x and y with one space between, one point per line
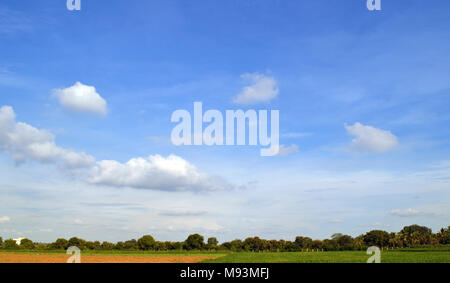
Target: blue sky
363 100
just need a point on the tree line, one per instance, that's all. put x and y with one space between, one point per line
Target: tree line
409 236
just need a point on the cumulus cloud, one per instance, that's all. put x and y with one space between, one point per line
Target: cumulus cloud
81 98
262 89
24 142
370 139
288 150
4 219
406 213
154 173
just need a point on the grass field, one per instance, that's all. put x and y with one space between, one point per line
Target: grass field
397 256
400 256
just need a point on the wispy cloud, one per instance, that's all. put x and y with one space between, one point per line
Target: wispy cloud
182 213
4 219
12 21
261 89
410 212
288 150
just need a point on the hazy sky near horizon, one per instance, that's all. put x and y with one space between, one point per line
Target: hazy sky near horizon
86 99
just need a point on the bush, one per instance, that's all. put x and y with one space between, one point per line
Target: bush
27 244
194 242
146 243
10 245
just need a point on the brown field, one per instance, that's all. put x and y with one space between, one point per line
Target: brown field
58 258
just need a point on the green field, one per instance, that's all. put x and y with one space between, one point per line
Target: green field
399 256
432 255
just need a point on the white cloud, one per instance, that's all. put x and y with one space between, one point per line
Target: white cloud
155 173
262 89
370 139
296 135
406 213
24 142
4 219
81 98
288 150
336 221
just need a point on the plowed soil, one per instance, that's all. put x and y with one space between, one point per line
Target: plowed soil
57 258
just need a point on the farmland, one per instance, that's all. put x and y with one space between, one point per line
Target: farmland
424 255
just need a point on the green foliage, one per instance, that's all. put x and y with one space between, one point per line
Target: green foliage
93 245
422 230
396 256
443 236
76 242
377 238
10 245
410 236
27 244
317 244
345 242
107 246
253 244
60 244
194 242
146 243
304 242
212 243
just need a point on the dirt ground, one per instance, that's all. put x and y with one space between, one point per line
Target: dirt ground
49 258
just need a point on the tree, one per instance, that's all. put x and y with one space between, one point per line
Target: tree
107 246
1 242
212 243
336 236
41 247
345 242
60 244
76 242
407 230
27 244
444 236
176 246
163 246
131 245
416 235
304 242
358 243
93 245
237 245
146 243
254 244
194 242
317 244
10 245
330 245
377 238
